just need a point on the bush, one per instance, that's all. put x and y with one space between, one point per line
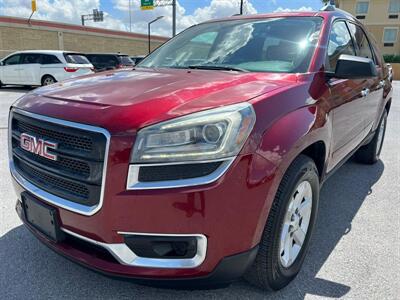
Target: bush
393 58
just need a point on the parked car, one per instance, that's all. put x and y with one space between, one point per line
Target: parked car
204 163
109 61
42 67
137 59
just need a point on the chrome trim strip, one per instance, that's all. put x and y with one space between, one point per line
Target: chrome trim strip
48 197
133 182
127 257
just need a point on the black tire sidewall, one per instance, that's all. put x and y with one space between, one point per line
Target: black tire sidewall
383 119
48 76
281 274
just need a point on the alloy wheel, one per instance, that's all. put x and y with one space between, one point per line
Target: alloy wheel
296 223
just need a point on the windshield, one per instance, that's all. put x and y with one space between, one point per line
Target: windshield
268 45
75 58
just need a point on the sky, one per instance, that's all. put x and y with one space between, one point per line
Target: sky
116 12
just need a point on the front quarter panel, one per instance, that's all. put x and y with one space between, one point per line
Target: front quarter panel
288 133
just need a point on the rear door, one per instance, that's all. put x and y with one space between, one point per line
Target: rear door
374 86
30 69
345 97
10 70
50 64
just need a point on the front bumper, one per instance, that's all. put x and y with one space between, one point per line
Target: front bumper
230 213
227 271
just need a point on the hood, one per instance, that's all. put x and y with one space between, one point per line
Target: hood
137 98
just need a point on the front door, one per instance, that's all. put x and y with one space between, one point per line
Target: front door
10 70
347 98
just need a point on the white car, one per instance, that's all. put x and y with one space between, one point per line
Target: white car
42 67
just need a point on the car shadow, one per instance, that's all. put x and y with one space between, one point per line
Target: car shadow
17 89
30 270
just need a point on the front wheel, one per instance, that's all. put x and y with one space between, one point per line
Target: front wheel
370 153
47 80
287 233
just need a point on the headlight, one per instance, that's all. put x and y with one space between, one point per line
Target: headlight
208 135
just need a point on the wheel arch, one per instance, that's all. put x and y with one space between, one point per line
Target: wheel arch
309 133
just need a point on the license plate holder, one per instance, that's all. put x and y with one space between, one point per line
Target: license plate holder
42 217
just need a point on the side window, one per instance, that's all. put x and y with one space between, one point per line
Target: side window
48 59
340 42
13 60
30 58
363 46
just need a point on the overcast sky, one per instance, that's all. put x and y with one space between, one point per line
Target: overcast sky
189 12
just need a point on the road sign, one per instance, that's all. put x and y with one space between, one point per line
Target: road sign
34 8
147 4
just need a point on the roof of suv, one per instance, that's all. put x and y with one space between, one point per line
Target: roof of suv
321 13
117 54
46 51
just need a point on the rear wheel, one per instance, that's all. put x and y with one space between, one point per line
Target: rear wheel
47 80
370 153
289 226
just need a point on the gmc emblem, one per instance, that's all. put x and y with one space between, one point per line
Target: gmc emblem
38 146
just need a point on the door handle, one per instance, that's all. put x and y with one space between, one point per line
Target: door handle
382 83
365 92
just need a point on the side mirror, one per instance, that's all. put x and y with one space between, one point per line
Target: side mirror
354 67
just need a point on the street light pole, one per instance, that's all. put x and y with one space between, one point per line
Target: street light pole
241 7
149 30
173 18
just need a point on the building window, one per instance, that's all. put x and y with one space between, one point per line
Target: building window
362 7
390 36
394 7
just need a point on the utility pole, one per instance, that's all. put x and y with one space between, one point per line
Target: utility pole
130 16
241 7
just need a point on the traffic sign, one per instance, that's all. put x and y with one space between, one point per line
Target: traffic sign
147 4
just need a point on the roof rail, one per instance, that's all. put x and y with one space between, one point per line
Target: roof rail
330 6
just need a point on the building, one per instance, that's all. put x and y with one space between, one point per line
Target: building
382 18
19 34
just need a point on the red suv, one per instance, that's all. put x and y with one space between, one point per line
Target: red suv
204 163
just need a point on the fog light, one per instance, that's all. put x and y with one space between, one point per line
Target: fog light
162 247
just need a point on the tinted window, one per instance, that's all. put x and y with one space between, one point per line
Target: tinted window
340 42
267 45
13 60
125 60
75 58
364 49
31 58
50 59
105 59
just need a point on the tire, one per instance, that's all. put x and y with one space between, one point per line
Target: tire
270 270
47 80
370 153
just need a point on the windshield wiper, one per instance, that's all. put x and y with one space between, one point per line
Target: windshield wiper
219 68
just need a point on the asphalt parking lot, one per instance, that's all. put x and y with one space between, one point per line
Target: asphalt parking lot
355 252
